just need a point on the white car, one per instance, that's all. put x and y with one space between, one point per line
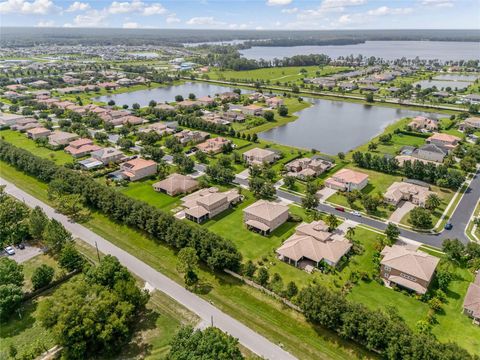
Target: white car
10 250
356 213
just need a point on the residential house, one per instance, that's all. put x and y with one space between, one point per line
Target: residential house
108 155
81 147
347 180
137 169
165 107
471 303
258 156
405 191
38 84
445 141
471 99
176 184
206 101
274 102
7 120
407 268
265 216
421 123
430 152
188 104
159 128
214 145
314 243
307 167
61 138
191 136
38 132
470 123
229 96
204 204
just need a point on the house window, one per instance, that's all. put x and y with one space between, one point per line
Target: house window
408 277
387 268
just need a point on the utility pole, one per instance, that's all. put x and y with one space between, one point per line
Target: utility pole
98 253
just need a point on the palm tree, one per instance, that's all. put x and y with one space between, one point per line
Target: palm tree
332 222
432 202
350 233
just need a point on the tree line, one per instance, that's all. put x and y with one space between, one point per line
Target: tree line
217 252
382 332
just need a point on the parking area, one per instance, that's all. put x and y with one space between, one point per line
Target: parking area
24 255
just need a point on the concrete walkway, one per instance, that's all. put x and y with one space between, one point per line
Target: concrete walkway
206 311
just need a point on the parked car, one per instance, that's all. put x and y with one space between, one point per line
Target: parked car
356 213
21 246
340 209
448 226
10 250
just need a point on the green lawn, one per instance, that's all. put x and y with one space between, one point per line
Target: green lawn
282 74
30 266
20 140
143 190
258 311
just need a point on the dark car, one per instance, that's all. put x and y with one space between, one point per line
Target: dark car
448 226
340 209
21 246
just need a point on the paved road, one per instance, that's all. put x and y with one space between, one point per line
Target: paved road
459 218
247 337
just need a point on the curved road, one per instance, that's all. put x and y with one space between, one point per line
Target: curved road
459 218
205 310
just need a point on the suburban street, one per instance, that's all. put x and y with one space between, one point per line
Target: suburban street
206 311
459 218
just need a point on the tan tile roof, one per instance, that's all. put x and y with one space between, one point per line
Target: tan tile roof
266 210
138 164
258 153
415 263
444 137
350 176
177 183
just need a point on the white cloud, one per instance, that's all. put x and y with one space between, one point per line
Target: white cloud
204 20
172 19
385 10
78 6
437 3
125 7
38 7
278 2
92 18
345 19
259 28
45 23
154 9
290 11
237 26
335 4
130 25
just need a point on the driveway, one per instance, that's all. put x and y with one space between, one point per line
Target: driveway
26 254
403 208
325 193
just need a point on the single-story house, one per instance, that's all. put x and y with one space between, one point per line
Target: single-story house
315 243
307 167
38 132
274 102
265 216
7 120
137 169
81 147
259 156
194 136
471 122
213 145
444 140
347 180
430 152
420 123
61 138
108 155
415 193
471 303
408 268
204 204
176 184
206 100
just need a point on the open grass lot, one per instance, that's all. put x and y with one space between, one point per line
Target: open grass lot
143 190
282 74
20 139
256 310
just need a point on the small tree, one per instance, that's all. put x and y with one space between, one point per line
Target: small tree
55 236
292 290
249 269
289 182
369 97
341 155
420 218
187 264
263 276
282 110
70 259
432 202
179 98
37 222
350 232
42 276
269 115
332 222
392 232
309 202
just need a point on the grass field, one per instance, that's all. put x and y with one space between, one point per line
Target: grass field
20 140
143 190
281 74
30 266
258 311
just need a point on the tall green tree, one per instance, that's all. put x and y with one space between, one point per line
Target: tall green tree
56 236
37 222
42 276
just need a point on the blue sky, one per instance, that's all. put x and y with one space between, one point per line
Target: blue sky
244 14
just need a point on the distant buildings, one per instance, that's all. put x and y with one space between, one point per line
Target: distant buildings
347 180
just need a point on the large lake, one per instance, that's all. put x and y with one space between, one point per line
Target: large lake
334 126
388 50
328 126
162 94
